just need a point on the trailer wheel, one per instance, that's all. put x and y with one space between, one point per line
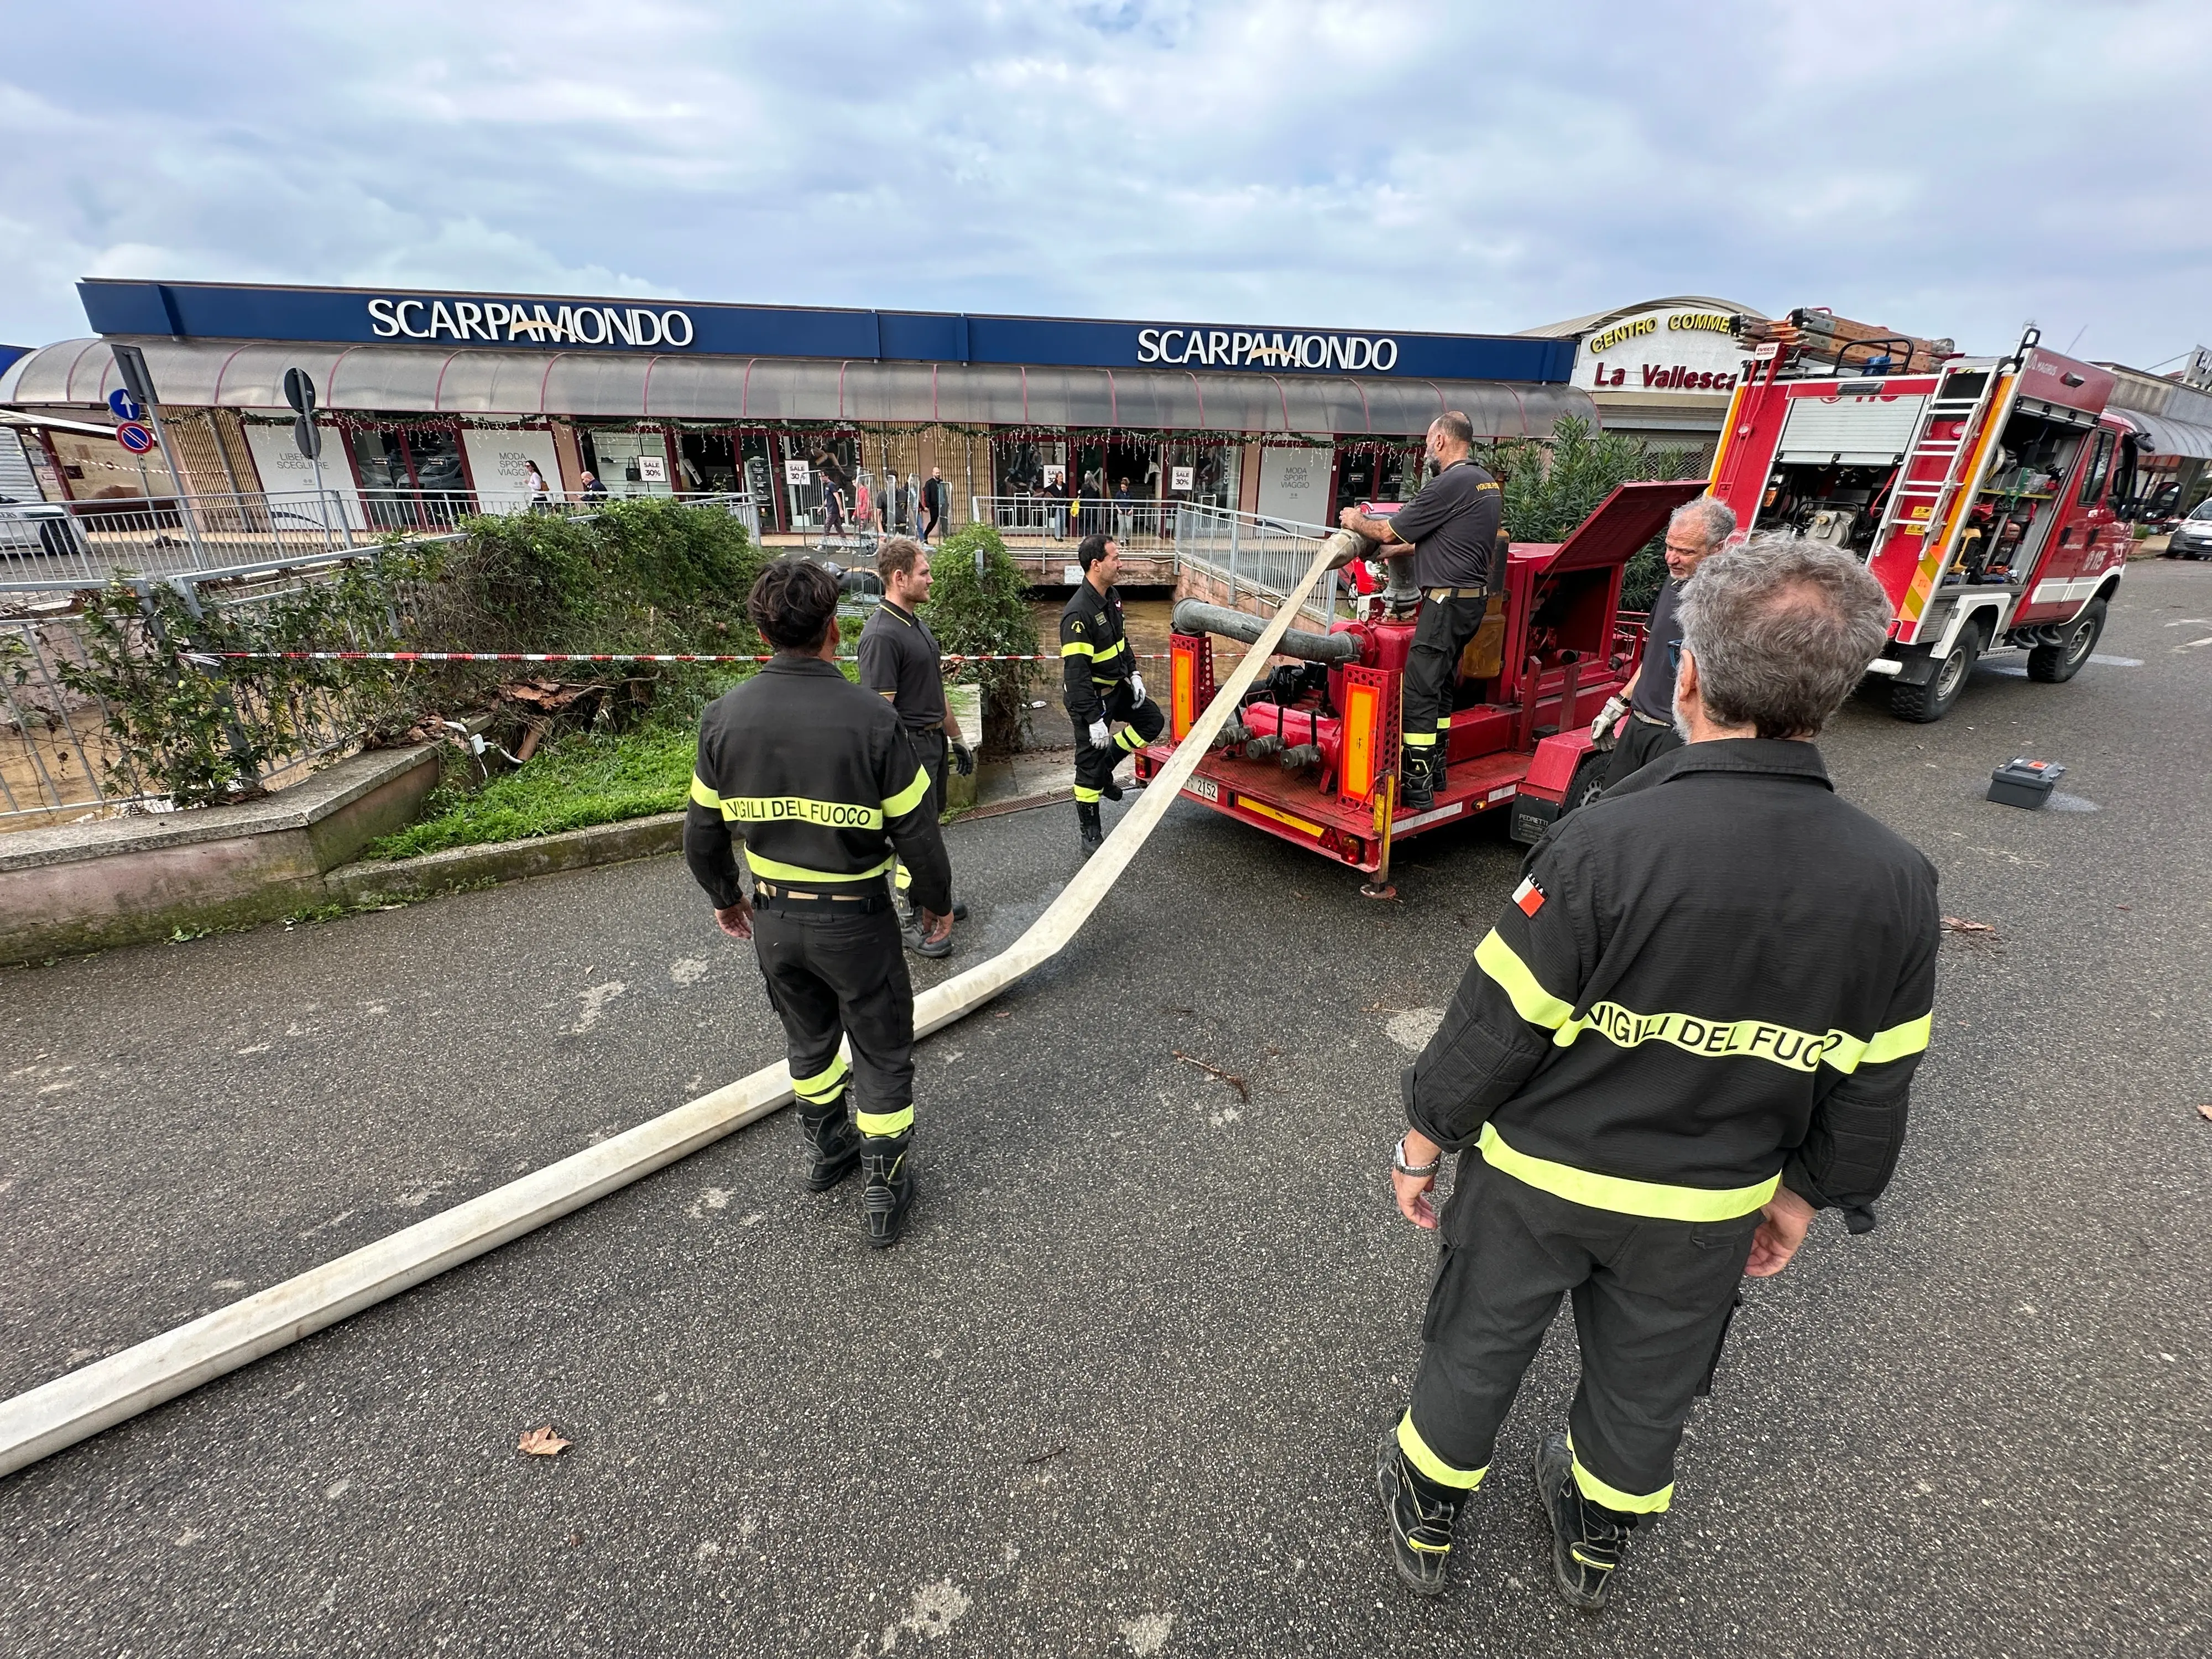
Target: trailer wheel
1588 782
1924 704
2054 664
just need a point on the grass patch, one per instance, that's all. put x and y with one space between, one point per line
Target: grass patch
573 782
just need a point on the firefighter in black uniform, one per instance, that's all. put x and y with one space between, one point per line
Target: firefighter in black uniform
820 779
1102 685
1452 525
1695 1025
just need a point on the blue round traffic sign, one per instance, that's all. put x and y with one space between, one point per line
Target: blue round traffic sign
124 405
133 437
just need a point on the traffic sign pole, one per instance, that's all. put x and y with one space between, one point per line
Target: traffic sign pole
131 362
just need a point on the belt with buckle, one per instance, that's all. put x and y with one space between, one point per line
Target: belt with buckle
1456 593
779 900
1637 713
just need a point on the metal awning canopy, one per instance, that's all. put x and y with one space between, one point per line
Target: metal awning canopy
2167 437
601 385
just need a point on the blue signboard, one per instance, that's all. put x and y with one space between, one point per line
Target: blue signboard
399 316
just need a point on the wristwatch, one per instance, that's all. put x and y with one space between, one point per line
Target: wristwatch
1398 1165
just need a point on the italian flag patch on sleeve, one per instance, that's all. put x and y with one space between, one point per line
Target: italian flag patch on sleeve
1528 896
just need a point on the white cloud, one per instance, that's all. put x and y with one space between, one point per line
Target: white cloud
1948 169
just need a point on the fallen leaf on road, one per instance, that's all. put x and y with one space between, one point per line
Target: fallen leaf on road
542 1442
2205 1111
1961 925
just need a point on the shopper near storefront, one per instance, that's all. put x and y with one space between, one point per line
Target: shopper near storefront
593 492
540 492
936 502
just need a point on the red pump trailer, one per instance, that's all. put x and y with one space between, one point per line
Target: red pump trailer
1312 757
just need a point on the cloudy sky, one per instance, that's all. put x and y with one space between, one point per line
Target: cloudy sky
1951 169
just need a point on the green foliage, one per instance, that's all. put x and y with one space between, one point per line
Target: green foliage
581 779
985 614
1551 485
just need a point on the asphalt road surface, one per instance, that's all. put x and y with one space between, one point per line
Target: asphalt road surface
1118 1392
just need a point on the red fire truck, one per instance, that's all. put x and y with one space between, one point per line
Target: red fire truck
1312 756
1991 496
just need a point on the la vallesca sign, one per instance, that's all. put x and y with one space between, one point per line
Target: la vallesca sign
506 320
1221 348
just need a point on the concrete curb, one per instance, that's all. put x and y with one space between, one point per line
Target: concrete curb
507 860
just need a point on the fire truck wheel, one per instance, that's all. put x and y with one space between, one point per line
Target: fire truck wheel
1924 704
2054 664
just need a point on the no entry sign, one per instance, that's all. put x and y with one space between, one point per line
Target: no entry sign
135 437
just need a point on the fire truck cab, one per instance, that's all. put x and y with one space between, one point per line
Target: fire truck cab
1991 496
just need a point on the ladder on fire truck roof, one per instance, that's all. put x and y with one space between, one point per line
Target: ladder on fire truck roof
1959 454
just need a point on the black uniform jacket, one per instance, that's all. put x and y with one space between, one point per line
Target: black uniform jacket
1716 975
1094 651
820 779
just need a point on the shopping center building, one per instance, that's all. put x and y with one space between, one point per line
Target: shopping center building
434 403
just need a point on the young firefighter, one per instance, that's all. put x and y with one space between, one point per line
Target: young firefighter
1101 685
819 777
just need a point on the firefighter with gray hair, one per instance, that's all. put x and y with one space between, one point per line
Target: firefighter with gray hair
1695 1026
1637 725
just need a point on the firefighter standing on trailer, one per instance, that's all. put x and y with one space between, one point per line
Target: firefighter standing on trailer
820 778
1452 525
1101 685
1695 1025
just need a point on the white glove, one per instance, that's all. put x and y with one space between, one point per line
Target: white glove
1100 737
1136 685
1608 717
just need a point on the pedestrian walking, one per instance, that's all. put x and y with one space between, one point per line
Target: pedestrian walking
1056 496
537 491
864 506
900 661
1637 723
1450 526
594 492
833 509
1695 1026
1101 685
820 779
936 500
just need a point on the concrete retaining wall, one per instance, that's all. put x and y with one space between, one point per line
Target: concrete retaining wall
122 881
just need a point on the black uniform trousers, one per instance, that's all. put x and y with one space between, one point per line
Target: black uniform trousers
1094 768
1652 1301
933 748
1440 634
1640 744
833 976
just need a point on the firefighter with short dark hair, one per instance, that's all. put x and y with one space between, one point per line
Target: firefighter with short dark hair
1452 525
821 780
1695 1025
1101 685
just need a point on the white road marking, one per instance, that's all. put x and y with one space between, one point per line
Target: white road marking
2115 662
2193 645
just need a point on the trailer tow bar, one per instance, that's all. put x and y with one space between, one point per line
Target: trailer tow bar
1386 813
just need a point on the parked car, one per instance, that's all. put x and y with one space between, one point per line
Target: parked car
2192 537
30 528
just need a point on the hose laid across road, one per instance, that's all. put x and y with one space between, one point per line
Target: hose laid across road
43 1420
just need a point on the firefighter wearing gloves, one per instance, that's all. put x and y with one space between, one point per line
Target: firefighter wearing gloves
1695 1026
820 779
900 662
1638 725
1102 685
1452 525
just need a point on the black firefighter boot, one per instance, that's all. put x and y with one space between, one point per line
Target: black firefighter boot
1587 1539
1415 792
1420 1514
1094 833
890 1192
836 1146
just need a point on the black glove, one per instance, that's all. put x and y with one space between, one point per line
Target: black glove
964 758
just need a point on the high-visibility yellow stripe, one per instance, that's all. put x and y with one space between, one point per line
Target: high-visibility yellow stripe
1088 795
1530 1000
801 809
885 1123
1076 648
777 870
1419 1455
824 1087
1745 1039
1110 652
704 796
1420 739
1621 1196
1130 738
1613 1497
907 798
